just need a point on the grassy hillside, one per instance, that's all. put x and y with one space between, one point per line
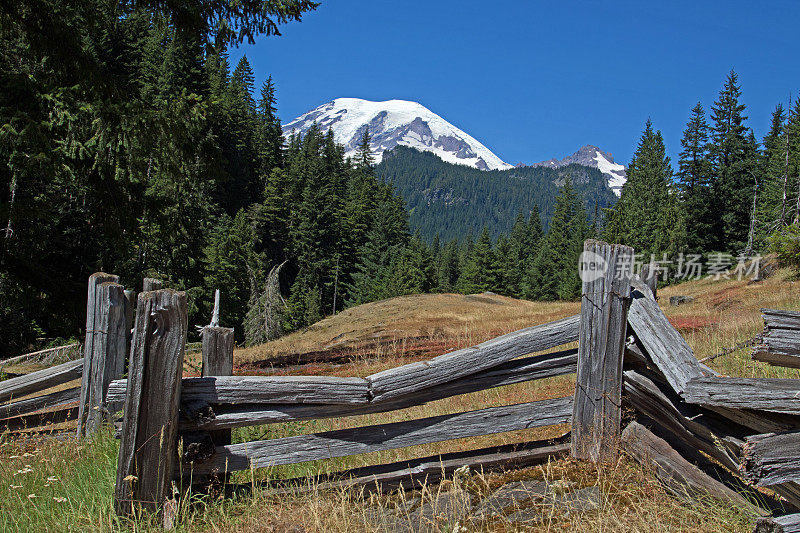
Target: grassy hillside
61 485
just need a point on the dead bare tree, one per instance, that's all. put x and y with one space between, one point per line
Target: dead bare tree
265 310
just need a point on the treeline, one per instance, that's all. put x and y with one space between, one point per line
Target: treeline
729 193
131 147
526 262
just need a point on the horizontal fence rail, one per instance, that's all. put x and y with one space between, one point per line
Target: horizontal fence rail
40 380
264 389
383 437
209 417
780 343
416 376
47 356
38 403
767 394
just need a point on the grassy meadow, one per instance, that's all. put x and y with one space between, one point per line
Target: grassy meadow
59 484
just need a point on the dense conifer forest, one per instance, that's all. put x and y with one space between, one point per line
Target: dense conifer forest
132 146
455 200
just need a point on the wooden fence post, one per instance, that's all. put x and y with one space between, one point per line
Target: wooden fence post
649 276
217 361
151 284
605 271
94 315
148 447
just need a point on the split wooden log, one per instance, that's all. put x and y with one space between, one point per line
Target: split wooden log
217 348
601 342
677 474
32 405
264 389
789 523
204 416
417 473
771 458
666 347
92 333
649 277
40 380
106 360
382 437
412 377
780 342
688 424
757 421
48 354
765 394
147 454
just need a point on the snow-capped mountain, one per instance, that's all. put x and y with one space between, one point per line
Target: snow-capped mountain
592 156
396 122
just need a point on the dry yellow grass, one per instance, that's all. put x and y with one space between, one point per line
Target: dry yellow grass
384 334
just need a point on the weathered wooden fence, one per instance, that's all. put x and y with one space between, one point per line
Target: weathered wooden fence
704 434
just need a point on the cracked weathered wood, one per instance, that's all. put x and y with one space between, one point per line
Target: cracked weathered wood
649 276
516 371
765 394
771 458
666 347
780 342
217 348
106 359
152 284
424 471
217 361
359 440
265 389
757 421
412 377
31 405
93 314
604 305
147 454
686 423
678 475
40 380
789 523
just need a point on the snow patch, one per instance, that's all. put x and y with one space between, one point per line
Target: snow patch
612 170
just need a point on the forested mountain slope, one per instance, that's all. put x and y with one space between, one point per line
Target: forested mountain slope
456 200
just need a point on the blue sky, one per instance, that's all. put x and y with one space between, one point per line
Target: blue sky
533 79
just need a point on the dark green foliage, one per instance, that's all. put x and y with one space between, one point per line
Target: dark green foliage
553 273
733 154
647 216
453 200
694 181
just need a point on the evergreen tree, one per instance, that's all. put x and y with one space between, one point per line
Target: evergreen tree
230 258
733 162
694 182
270 134
477 273
647 216
553 274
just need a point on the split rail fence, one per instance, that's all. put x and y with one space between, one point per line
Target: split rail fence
702 433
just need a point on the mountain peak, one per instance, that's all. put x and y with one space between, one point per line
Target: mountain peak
396 122
591 156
